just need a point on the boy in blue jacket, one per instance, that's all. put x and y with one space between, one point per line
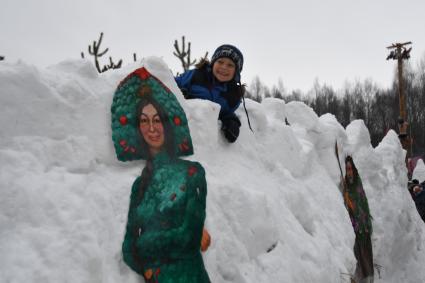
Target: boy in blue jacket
218 81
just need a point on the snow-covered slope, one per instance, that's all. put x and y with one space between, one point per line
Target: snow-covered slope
419 172
64 196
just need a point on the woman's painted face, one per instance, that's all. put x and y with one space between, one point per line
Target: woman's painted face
224 69
151 128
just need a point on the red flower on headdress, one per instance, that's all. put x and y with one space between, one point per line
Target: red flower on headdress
142 73
177 120
123 120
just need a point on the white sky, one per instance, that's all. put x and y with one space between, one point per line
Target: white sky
298 41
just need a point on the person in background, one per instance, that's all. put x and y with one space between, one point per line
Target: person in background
410 185
218 81
419 198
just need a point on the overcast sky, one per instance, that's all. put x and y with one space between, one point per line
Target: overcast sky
297 41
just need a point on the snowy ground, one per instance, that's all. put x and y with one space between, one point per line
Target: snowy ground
64 196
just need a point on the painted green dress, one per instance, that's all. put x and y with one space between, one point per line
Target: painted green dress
170 220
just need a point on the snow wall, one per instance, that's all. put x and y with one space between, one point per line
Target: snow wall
274 210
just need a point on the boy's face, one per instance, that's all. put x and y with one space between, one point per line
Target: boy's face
224 69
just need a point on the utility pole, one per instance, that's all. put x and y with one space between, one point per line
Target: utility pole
400 52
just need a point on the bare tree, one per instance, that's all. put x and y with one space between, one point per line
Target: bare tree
279 91
94 51
276 93
267 92
183 54
345 110
112 65
257 90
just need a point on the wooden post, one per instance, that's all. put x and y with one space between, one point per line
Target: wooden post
401 97
399 52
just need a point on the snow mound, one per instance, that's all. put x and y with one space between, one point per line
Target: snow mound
273 208
419 172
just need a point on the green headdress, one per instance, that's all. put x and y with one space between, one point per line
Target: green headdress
125 123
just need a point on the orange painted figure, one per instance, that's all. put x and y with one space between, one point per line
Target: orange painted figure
358 208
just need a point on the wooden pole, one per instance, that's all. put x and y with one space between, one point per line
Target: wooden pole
399 52
401 97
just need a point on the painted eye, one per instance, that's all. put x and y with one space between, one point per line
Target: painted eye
144 121
157 121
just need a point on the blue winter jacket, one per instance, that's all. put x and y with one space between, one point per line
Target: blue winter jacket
201 83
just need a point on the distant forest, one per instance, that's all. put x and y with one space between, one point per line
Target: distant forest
363 100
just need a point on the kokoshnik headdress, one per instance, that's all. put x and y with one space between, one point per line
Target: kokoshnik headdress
125 123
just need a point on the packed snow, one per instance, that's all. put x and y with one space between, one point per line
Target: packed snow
274 209
419 172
